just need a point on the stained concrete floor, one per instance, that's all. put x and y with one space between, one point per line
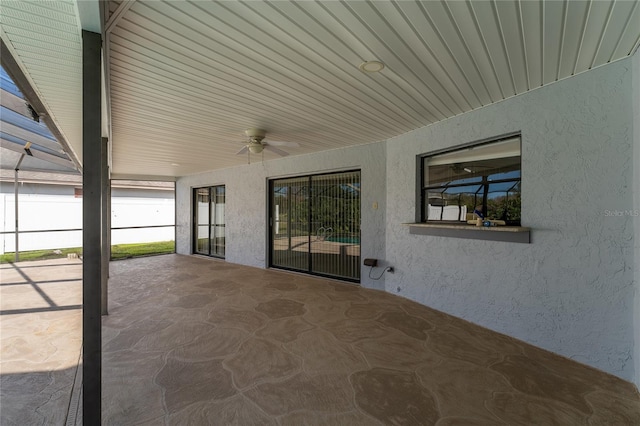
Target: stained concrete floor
40 340
199 341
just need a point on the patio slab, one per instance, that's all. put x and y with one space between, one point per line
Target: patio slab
191 340
41 339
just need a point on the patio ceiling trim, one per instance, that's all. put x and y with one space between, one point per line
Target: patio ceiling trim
106 62
155 178
91 15
118 14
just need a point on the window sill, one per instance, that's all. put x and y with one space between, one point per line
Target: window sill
512 234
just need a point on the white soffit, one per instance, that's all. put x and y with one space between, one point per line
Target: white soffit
188 77
45 40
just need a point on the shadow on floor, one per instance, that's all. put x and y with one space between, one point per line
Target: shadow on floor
40 337
39 398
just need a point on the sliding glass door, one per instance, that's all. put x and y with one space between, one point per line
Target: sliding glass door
209 222
315 224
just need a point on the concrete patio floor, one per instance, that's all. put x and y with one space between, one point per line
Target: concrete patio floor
41 339
199 341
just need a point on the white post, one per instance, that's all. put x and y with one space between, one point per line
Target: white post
17 168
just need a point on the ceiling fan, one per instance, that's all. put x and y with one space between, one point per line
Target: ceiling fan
256 144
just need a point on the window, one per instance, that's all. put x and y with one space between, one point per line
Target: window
481 179
209 222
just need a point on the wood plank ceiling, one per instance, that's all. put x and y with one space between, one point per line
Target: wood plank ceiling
186 78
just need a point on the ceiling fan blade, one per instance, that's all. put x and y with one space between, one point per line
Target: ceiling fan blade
276 150
243 150
280 143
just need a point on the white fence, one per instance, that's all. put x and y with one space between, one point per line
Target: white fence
63 212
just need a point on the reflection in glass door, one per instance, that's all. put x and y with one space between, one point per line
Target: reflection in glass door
335 224
315 224
290 223
209 221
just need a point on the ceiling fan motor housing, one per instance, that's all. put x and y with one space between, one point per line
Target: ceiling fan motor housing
255 134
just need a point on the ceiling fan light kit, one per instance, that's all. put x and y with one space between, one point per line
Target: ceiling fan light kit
256 148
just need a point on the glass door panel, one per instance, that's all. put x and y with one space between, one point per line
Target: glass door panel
290 223
209 221
335 219
218 221
202 221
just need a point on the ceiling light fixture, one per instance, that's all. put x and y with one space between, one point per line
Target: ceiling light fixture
256 148
371 66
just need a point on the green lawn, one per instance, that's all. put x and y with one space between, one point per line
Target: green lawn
125 251
120 251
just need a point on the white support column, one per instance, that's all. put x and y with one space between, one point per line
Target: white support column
16 190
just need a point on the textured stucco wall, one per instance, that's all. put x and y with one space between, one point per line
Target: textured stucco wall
574 290
246 209
636 204
571 290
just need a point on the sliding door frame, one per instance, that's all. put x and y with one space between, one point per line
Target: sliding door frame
271 224
210 212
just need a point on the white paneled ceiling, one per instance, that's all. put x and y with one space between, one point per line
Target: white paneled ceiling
45 40
187 77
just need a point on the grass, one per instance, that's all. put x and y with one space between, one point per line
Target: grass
39 254
119 251
126 251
